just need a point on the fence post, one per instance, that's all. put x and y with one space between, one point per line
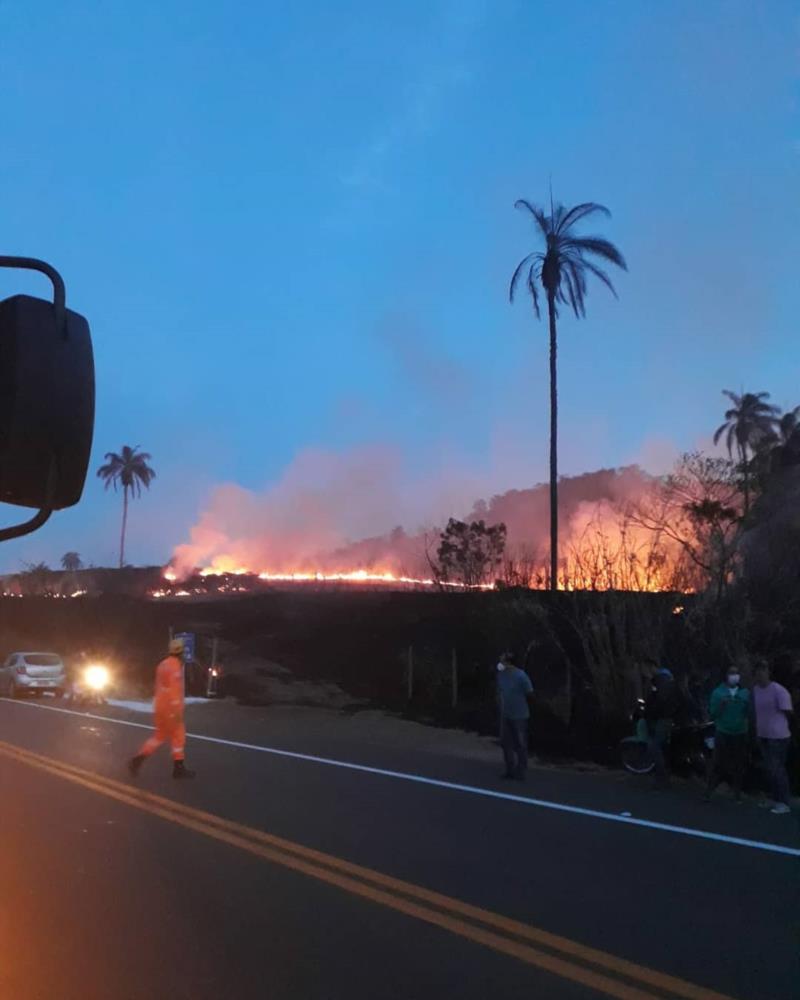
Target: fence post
454 678
410 674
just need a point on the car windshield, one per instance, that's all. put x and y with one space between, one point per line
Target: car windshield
42 660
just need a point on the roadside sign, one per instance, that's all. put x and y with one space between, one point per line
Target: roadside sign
188 645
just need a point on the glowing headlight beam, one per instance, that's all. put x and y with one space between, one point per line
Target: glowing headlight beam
96 677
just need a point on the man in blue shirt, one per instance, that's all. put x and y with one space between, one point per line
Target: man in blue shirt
514 688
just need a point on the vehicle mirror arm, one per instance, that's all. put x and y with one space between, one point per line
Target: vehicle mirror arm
59 292
40 518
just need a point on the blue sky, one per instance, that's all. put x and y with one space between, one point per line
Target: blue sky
291 228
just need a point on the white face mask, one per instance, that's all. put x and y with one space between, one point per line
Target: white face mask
501 667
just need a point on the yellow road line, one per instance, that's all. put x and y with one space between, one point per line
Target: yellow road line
390 892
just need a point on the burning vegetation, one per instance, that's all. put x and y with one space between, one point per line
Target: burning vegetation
626 530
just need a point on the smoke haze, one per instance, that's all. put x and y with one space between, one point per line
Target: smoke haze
332 512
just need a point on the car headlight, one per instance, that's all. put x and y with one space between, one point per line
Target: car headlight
96 677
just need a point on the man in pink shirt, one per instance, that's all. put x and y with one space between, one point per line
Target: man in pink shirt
772 704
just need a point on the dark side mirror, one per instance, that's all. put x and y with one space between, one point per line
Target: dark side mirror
46 398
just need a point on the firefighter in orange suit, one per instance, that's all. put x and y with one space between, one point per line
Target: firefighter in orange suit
168 711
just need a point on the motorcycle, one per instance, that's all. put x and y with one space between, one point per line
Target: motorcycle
688 752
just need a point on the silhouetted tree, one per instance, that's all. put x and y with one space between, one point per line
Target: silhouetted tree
697 506
470 553
749 423
130 470
71 562
36 580
787 447
561 270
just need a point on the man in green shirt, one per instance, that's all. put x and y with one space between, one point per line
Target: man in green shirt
730 711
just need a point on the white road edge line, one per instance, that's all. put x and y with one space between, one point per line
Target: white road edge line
686 831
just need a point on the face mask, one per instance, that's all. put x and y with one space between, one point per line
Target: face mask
733 680
501 667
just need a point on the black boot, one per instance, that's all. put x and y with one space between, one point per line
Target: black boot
179 770
135 763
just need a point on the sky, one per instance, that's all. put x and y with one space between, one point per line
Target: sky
292 227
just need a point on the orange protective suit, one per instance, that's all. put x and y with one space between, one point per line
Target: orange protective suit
168 709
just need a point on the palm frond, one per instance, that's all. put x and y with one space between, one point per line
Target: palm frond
557 213
514 278
736 400
542 220
579 212
573 295
534 291
577 271
601 274
600 247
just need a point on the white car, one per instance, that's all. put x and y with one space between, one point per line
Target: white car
32 673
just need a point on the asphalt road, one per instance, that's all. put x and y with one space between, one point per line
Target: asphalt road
277 876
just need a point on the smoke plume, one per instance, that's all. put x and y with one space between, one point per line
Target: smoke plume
339 513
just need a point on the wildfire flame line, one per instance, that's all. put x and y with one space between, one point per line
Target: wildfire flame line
358 576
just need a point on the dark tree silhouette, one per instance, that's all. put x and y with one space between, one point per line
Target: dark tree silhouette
470 553
749 423
36 580
128 469
561 270
71 562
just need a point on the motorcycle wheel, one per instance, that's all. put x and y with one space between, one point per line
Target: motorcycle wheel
636 757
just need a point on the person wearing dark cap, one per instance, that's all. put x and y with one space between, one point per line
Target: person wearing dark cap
660 708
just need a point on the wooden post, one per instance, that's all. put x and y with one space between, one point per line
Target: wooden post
454 678
410 674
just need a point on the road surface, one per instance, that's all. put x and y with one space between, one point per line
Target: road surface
286 875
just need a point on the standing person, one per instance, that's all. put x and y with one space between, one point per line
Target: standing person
660 708
168 712
773 706
514 688
730 712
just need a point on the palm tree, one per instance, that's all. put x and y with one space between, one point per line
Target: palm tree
789 425
749 423
71 562
130 470
561 270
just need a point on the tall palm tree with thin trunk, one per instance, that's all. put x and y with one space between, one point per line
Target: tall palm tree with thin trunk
561 270
749 423
128 469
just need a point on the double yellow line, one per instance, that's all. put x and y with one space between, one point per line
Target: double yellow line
560 956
